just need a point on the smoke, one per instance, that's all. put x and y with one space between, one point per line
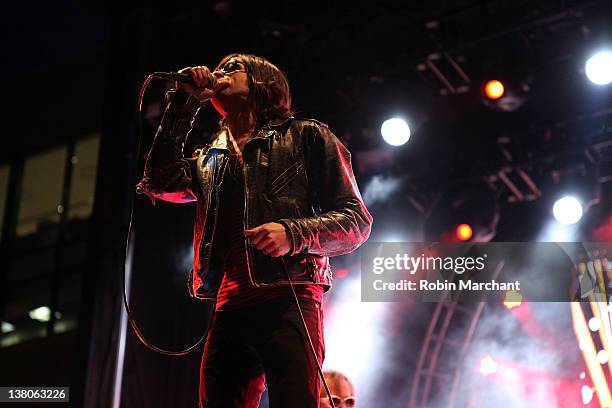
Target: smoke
536 351
556 232
354 335
183 259
373 343
530 370
379 188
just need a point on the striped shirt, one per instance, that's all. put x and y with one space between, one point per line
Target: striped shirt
236 289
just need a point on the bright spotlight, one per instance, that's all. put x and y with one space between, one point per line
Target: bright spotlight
494 89
602 356
594 323
599 68
488 366
587 394
395 131
567 210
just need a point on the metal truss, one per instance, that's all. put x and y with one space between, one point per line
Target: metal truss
440 362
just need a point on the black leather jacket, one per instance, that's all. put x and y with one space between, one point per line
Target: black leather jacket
296 173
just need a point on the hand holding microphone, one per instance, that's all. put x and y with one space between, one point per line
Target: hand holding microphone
198 81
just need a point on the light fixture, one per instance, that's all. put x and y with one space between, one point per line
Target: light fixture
602 356
395 131
567 210
598 68
494 89
594 323
463 232
587 394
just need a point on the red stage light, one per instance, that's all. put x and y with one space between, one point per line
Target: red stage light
341 273
494 89
464 232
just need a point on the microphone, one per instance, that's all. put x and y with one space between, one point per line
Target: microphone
185 78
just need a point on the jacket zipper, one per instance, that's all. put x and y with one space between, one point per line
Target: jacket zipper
216 216
203 238
245 217
245 222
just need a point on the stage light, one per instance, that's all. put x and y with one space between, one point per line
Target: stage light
587 394
512 299
599 68
341 273
587 346
488 366
7 327
395 131
354 328
567 210
472 203
594 323
463 232
494 89
602 356
507 95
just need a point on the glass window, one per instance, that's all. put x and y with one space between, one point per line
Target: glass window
31 265
41 192
85 164
4 179
74 250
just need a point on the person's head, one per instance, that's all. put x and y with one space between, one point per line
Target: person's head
253 82
341 389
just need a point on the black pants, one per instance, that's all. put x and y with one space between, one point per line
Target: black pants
265 342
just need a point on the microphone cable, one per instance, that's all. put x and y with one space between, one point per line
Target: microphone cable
133 324
311 346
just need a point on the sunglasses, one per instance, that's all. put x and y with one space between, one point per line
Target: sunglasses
348 401
231 67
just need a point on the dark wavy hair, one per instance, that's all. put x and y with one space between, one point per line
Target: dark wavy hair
269 87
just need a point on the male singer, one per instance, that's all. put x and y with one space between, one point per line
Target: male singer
276 197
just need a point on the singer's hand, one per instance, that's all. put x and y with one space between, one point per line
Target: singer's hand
202 77
271 238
